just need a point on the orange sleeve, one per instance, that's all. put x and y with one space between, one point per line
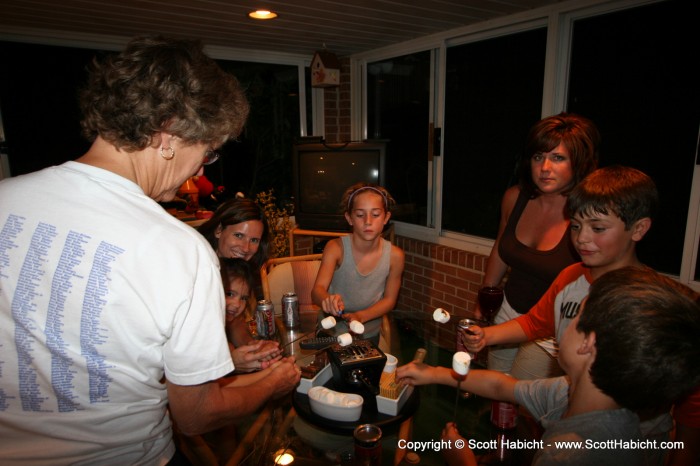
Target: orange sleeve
539 320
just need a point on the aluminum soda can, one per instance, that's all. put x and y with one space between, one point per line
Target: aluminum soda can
368 445
504 415
462 324
265 318
290 309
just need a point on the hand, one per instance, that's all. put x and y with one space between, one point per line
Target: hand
285 374
275 355
415 373
456 456
255 355
333 304
474 339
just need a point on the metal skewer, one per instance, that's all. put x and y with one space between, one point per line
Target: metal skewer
457 397
299 338
314 331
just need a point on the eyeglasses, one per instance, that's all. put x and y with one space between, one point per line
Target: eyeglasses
210 157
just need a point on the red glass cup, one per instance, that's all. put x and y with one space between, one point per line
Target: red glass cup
490 299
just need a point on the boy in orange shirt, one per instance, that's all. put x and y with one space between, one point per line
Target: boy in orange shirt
610 210
632 319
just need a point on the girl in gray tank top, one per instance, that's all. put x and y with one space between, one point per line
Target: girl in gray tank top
360 274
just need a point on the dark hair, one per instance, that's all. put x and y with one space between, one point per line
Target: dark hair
646 328
347 200
233 212
159 84
236 268
578 134
626 192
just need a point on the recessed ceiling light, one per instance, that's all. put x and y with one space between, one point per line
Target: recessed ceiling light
262 14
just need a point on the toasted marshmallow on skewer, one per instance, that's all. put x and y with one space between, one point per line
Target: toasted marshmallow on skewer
460 362
441 315
345 339
357 327
328 322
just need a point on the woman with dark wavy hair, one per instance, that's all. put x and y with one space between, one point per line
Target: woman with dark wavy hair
111 309
533 243
238 229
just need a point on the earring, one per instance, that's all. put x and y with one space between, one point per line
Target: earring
172 153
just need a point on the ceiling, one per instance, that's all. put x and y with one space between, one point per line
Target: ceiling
344 27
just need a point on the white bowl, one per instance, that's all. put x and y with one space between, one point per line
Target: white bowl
335 409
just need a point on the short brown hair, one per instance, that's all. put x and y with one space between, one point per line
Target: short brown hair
578 134
647 328
158 84
624 191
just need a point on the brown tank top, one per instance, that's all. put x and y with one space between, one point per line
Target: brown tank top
531 270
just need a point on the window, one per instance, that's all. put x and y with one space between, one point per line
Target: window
493 95
632 73
261 159
627 65
398 94
40 103
31 98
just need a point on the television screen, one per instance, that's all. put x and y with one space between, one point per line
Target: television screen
322 173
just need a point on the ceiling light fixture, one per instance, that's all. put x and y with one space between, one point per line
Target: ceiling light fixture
262 14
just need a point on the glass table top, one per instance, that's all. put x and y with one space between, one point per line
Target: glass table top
279 428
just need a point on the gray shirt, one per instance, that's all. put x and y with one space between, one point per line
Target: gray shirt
604 436
360 291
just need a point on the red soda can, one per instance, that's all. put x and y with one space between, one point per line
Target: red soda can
368 445
265 318
504 415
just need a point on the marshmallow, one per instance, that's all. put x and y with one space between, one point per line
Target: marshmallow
328 322
441 315
350 402
345 339
460 362
331 397
357 327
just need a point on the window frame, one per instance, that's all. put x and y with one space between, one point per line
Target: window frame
559 20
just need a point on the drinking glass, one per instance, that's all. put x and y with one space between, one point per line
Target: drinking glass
490 299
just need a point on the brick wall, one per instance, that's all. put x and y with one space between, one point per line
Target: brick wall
439 276
337 106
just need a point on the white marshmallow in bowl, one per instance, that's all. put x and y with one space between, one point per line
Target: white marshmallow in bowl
330 397
328 322
350 402
460 362
345 339
357 327
334 405
441 315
